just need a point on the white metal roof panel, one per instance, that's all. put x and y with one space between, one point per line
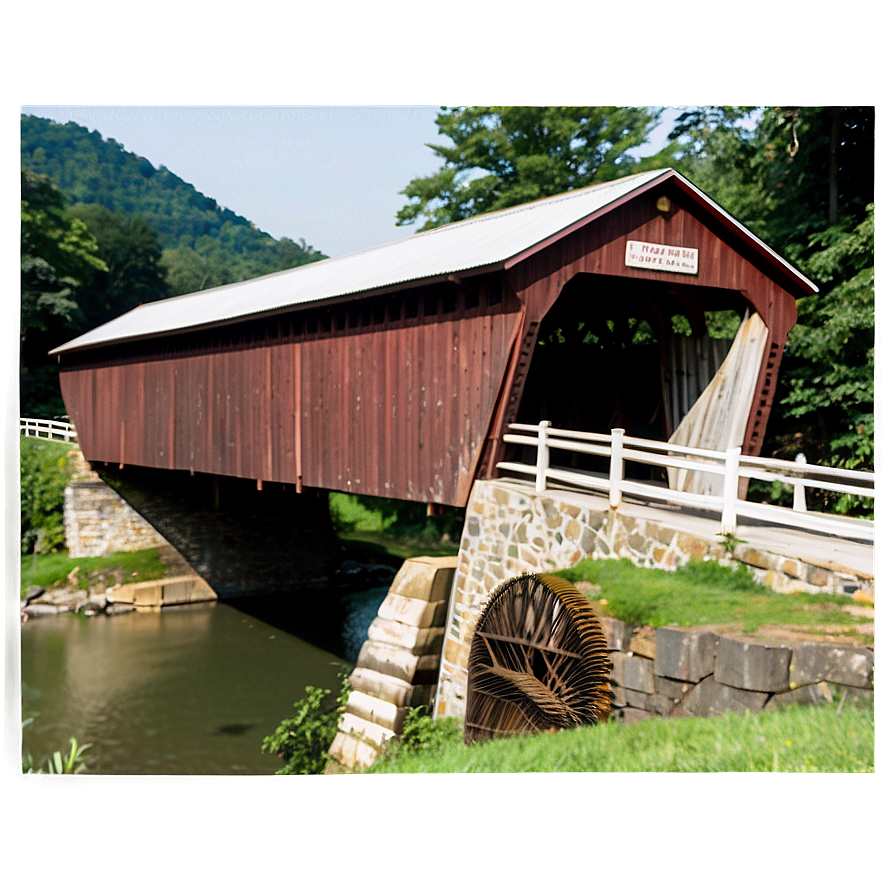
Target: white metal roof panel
467 245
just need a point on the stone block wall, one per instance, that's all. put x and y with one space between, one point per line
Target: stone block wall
398 665
510 530
98 522
674 672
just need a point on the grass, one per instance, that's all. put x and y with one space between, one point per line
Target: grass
792 739
702 593
394 528
52 570
350 515
398 548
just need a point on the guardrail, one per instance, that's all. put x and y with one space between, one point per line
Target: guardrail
731 465
54 430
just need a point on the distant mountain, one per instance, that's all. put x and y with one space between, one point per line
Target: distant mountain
204 244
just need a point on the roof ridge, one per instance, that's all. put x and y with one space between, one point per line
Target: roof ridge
523 206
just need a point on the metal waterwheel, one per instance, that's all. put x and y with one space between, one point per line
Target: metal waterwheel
538 661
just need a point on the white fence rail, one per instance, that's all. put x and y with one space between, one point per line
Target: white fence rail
54 430
730 465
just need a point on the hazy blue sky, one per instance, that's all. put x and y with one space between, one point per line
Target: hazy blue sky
330 175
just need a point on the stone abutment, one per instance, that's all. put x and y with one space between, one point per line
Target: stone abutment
511 529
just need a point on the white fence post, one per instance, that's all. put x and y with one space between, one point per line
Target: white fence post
543 461
799 490
617 467
729 491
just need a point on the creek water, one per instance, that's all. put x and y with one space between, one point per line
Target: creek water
191 690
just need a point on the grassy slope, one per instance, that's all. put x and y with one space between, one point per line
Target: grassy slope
51 570
702 594
794 739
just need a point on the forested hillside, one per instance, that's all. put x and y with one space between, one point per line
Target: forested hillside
104 230
203 244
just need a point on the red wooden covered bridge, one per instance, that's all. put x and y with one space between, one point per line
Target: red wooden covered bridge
394 371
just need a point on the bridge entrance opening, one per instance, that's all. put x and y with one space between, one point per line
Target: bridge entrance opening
633 354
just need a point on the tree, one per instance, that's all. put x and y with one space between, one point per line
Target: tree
829 369
134 274
502 156
802 178
716 148
58 254
818 167
818 174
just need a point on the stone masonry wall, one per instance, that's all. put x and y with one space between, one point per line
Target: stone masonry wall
509 530
398 665
674 672
98 522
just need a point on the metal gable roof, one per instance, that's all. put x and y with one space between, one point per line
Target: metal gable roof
473 244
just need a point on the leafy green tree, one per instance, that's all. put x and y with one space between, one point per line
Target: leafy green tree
829 372
716 148
188 271
58 254
134 274
501 156
802 178
818 168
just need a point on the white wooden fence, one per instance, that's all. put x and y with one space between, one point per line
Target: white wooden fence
730 465
55 430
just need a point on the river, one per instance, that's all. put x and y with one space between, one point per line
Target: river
188 691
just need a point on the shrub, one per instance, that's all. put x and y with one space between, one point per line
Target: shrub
302 741
44 474
421 734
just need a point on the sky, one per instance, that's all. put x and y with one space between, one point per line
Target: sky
330 175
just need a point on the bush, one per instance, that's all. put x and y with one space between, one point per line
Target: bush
422 732
302 741
44 474
350 515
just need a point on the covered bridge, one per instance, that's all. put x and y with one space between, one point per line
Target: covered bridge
395 371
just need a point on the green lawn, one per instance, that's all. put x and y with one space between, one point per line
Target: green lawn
703 593
793 739
49 570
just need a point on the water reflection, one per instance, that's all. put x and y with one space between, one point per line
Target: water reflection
190 690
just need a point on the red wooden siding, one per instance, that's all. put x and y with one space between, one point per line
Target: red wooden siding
396 411
402 414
